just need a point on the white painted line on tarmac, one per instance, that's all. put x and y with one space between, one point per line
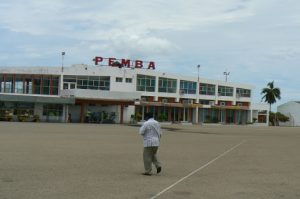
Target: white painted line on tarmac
200 168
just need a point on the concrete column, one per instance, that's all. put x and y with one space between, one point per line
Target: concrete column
143 112
66 112
121 114
197 115
82 112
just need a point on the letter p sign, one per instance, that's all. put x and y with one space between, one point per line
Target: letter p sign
97 60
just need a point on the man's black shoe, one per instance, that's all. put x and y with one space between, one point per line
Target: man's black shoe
147 174
158 169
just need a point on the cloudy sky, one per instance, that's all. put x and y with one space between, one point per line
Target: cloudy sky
257 41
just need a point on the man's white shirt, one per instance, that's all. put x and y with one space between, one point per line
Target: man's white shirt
151 132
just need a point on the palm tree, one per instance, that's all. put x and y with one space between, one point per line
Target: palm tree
270 94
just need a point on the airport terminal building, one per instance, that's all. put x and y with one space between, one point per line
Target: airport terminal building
120 92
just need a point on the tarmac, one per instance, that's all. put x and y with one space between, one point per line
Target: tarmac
95 161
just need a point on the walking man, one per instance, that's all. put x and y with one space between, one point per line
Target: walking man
151 133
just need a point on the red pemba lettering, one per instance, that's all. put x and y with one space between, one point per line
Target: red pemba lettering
138 64
111 61
125 63
97 60
151 65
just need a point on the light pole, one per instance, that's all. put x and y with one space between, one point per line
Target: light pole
62 61
226 74
197 94
198 86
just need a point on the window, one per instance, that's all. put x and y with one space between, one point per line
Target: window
128 80
23 108
28 85
46 86
188 87
53 110
119 79
69 78
54 86
207 89
104 83
225 91
93 83
240 92
166 85
88 82
19 84
8 84
145 83
37 85
82 82
1 84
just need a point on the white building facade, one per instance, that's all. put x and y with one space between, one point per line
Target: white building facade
100 94
292 110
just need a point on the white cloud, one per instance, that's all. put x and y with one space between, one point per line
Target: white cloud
256 40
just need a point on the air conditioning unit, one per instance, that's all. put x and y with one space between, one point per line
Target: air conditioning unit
143 99
238 95
212 103
222 104
181 92
239 104
164 100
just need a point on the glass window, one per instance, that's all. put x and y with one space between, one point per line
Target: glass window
28 85
37 82
128 80
8 84
188 87
23 108
240 92
69 78
52 110
66 86
166 85
119 79
105 81
1 84
207 89
145 83
19 86
225 91
54 85
46 86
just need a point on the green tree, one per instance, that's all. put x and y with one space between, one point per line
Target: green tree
270 94
275 117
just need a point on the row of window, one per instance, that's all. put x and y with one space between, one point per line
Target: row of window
18 108
23 84
49 85
87 82
167 85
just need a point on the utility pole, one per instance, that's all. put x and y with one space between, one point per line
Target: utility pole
62 61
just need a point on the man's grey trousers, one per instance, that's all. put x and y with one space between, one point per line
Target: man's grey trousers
150 156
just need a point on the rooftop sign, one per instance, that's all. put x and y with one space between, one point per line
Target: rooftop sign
127 63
